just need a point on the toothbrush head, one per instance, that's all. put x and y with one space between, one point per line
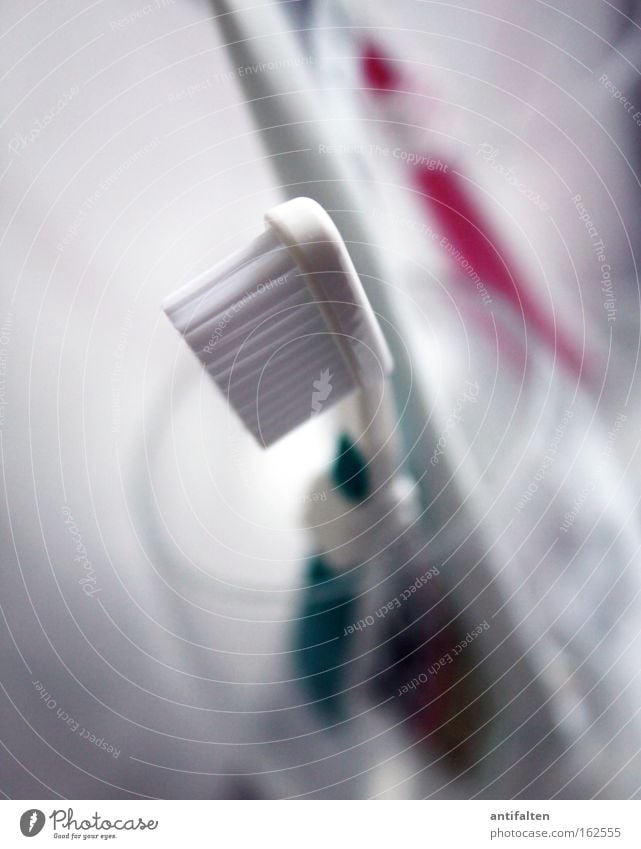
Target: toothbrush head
284 326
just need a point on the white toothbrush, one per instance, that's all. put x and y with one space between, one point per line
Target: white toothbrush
296 116
285 330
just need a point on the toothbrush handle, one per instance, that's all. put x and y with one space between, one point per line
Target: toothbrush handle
378 424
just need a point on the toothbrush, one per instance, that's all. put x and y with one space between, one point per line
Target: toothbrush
285 330
294 120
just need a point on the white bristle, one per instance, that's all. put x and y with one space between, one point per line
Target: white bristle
283 326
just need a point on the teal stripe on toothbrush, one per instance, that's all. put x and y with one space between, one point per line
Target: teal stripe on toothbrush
328 607
350 472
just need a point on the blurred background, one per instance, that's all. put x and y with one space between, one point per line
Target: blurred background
164 630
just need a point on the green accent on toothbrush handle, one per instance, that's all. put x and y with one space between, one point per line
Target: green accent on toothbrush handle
320 639
329 607
350 473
